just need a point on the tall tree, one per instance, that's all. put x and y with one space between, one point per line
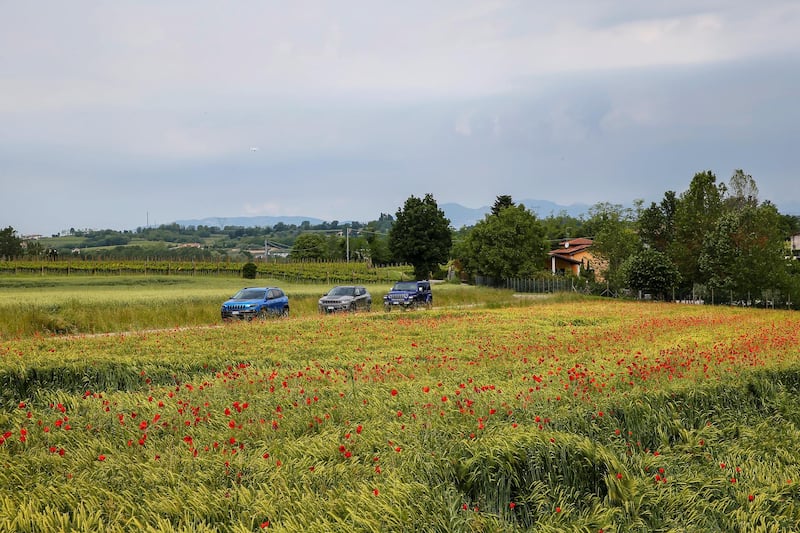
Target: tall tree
743 254
742 191
10 243
657 223
508 244
697 212
421 235
501 202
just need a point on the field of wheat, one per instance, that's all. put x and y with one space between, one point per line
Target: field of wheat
576 415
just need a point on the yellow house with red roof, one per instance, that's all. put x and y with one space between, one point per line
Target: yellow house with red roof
573 257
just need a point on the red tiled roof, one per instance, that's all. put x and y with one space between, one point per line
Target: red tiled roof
572 247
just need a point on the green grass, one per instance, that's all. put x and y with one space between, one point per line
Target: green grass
32 304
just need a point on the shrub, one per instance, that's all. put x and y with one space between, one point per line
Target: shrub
249 271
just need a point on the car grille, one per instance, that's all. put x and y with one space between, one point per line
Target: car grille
236 307
331 302
397 296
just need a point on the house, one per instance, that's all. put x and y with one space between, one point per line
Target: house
573 257
795 245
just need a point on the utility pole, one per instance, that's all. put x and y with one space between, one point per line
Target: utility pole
347 242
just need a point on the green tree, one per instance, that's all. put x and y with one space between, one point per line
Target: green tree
614 233
742 191
10 243
743 254
562 226
657 223
652 272
309 246
510 242
501 202
697 212
378 246
34 248
421 235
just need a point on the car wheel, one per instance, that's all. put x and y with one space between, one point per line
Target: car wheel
262 314
352 307
387 308
285 312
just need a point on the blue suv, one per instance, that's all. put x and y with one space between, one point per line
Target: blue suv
256 302
409 295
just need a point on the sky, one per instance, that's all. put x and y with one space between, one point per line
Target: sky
116 115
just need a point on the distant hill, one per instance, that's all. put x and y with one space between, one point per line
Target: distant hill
248 222
458 214
467 216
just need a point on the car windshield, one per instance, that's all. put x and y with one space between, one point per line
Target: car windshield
250 294
342 291
405 286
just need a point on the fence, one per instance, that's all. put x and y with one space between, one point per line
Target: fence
762 298
537 285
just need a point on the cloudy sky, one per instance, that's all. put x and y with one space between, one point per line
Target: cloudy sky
116 114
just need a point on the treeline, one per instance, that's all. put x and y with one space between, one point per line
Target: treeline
208 243
715 242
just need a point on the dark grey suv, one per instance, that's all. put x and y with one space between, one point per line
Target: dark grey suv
346 298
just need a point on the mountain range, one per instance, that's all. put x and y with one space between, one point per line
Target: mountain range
458 214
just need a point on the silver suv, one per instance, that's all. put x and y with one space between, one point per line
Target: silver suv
345 298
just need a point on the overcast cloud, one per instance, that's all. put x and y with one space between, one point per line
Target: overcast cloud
116 114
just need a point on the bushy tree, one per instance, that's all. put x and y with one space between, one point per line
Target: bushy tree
309 246
743 253
421 235
651 271
249 271
510 242
562 226
10 243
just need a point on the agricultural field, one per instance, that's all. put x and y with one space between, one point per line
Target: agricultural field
89 304
556 414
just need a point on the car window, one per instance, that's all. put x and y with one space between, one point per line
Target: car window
342 291
277 293
250 294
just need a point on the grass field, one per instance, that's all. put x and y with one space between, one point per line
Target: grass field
517 415
37 305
